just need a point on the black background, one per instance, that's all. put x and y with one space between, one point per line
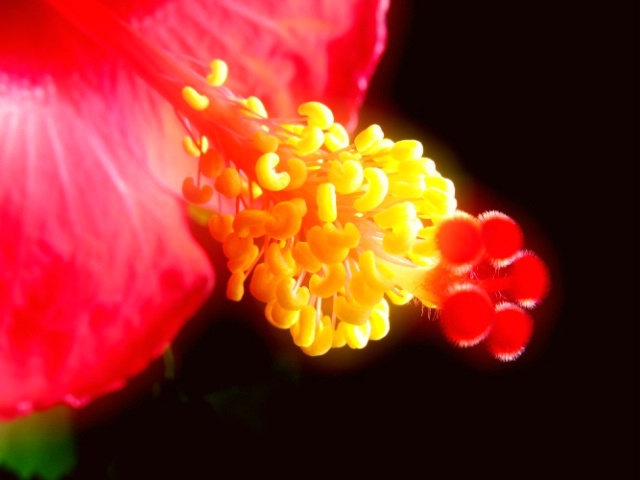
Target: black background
531 108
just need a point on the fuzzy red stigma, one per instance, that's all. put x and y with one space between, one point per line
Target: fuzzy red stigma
459 239
529 279
467 315
501 235
510 333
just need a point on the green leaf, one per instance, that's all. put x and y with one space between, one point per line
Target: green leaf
41 445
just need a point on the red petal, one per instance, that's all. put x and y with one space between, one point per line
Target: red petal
284 52
99 270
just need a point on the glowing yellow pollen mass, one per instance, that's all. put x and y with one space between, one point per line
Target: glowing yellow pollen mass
315 224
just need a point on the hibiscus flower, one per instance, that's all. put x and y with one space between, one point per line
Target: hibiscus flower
325 228
99 269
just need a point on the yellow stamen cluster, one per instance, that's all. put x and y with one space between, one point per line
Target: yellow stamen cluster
319 222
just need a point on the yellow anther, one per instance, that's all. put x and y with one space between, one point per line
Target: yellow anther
326 201
427 233
297 170
195 194
351 312
338 340
263 283
382 307
426 248
300 205
344 156
402 237
336 138
312 139
255 105
422 261
190 146
304 258
407 150
347 237
394 215
401 297
379 321
384 147
368 138
219 73
235 246
322 249
280 317
407 186
264 142
441 183
220 226
417 166
318 114
304 330
386 163
235 286
293 128
286 219
323 339
204 144
347 176
436 203
245 260
229 183
211 163
356 336
378 186
268 178
329 284
251 222
362 292
379 277
280 261
290 296
194 99
247 188
255 191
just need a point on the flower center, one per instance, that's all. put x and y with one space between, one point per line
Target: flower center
314 222
326 229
